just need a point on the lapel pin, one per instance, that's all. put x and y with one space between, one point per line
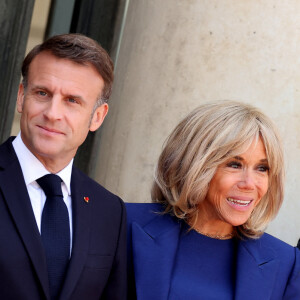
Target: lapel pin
86 199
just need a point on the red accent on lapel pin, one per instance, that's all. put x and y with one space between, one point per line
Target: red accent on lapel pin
86 199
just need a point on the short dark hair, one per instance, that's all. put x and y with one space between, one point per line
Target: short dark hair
77 48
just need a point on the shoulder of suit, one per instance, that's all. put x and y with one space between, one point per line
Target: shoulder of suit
7 153
78 175
142 213
93 186
288 255
144 208
270 244
269 239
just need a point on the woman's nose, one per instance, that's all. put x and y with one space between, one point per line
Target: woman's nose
247 180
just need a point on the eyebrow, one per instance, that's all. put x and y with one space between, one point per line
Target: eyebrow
264 160
37 87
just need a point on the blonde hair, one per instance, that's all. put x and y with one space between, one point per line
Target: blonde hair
206 138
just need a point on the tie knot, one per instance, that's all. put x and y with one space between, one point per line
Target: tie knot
51 185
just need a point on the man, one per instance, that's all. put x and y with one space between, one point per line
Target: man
66 83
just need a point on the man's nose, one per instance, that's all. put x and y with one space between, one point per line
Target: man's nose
54 108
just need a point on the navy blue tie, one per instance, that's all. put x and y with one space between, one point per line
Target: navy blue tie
55 232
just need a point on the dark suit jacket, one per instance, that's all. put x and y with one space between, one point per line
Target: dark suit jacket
97 268
267 268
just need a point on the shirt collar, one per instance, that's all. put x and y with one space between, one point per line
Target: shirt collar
33 169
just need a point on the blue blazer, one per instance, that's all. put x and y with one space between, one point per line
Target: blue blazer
97 268
267 268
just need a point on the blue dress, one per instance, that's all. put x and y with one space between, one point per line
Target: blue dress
204 268
165 263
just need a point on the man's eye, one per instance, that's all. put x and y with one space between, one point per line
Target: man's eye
41 93
72 100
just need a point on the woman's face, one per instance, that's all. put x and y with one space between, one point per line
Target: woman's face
237 186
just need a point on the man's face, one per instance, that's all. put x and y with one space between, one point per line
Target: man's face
57 108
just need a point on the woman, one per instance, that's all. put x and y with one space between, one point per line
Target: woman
219 182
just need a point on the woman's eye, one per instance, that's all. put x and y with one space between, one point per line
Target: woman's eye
234 165
263 168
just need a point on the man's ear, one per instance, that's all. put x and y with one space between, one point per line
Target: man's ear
99 116
20 98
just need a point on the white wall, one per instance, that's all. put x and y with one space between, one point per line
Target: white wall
173 56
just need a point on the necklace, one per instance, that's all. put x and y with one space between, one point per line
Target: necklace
216 236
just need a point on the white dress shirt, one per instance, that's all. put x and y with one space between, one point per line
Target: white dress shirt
32 170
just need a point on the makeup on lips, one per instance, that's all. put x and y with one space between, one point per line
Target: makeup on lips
240 203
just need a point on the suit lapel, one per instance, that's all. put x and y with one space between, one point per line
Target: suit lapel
16 196
154 250
256 270
81 231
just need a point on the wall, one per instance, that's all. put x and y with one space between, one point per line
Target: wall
175 55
